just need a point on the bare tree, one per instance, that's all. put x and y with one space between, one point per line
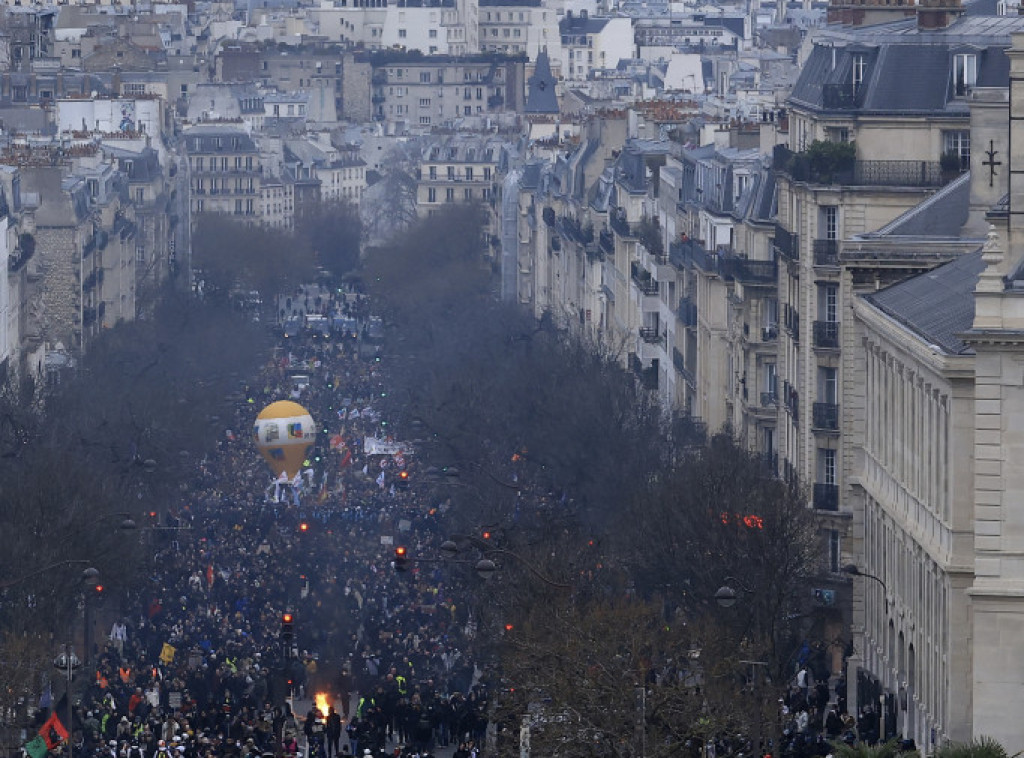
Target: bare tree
389 206
333 230
230 254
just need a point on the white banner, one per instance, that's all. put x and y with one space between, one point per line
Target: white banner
375 446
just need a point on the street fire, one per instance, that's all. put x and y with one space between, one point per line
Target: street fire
322 703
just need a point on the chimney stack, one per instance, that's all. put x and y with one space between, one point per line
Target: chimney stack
937 14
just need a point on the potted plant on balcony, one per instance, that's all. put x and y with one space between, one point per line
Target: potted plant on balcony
951 165
830 162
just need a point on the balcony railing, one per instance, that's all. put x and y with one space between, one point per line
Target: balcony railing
752 272
769 333
841 97
650 335
643 279
787 243
621 227
572 228
791 320
826 253
687 312
692 253
826 497
678 361
802 167
769 400
826 416
25 250
826 334
606 241
791 399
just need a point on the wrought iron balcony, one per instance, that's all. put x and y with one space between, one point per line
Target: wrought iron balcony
787 243
842 97
802 167
792 400
749 271
21 255
621 226
769 333
826 497
826 334
647 284
687 312
791 319
606 241
769 400
826 253
650 335
826 416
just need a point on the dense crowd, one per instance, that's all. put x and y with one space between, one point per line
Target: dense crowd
202 666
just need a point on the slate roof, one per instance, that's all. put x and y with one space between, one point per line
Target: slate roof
540 92
736 24
907 70
941 215
937 305
530 178
581 24
765 207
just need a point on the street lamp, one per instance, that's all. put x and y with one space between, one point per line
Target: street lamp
485 566
853 570
725 596
67 661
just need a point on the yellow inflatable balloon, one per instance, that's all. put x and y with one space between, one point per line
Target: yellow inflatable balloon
284 433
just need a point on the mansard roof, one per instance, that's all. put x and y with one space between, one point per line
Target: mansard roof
905 70
937 305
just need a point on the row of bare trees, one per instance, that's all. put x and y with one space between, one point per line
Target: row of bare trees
121 434
116 438
575 470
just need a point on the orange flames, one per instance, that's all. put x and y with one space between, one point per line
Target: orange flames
322 703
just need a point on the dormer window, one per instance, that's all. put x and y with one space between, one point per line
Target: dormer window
965 72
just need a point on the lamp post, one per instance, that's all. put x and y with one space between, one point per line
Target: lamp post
67 661
485 566
851 678
726 597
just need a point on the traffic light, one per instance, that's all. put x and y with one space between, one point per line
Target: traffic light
287 627
401 559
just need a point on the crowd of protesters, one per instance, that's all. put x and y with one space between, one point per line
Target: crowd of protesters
201 665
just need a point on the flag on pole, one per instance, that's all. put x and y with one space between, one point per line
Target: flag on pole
167 653
53 732
36 747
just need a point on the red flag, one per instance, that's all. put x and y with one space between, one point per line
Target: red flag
53 732
209 576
